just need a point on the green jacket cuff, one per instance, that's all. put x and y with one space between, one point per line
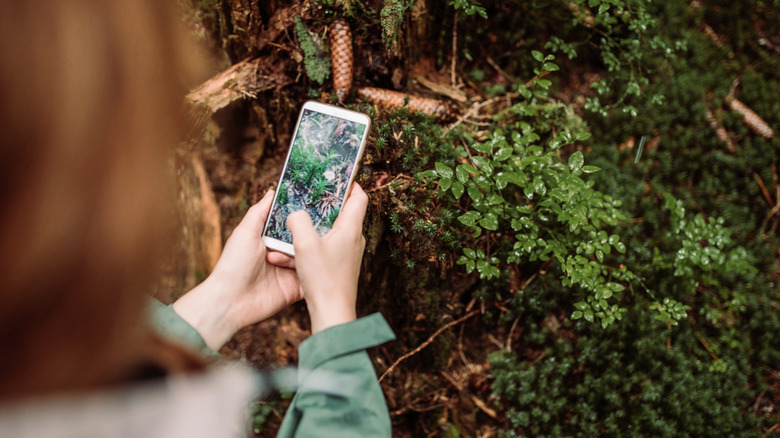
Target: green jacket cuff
170 326
343 339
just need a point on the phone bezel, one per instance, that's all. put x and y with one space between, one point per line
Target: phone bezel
343 113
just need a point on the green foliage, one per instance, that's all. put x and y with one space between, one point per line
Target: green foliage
633 379
469 7
655 266
316 59
391 17
259 413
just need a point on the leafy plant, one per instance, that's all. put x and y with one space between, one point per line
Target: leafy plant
316 60
469 7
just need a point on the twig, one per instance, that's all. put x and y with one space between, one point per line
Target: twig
454 48
428 341
772 212
474 110
399 177
500 70
512 332
761 185
707 347
771 429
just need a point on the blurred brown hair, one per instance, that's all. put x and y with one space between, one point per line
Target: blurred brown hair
90 97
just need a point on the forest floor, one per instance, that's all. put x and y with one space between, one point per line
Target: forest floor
437 377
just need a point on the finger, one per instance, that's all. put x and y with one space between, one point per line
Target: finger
258 212
354 210
282 260
254 219
300 225
265 206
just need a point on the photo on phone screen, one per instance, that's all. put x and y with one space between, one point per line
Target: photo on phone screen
319 170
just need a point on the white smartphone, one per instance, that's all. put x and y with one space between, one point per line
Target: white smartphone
321 165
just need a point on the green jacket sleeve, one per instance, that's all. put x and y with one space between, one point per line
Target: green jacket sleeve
169 325
338 392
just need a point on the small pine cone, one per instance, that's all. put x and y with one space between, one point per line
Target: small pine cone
389 99
751 119
341 57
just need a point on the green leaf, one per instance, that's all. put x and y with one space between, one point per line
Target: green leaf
445 183
489 222
582 136
457 189
462 173
484 164
577 314
588 314
443 170
524 91
539 186
591 169
501 181
502 154
475 194
485 148
537 55
469 253
469 218
495 199
550 66
576 160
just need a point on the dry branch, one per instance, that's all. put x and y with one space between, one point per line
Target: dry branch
428 341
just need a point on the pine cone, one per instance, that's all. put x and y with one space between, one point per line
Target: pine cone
389 99
341 57
751 119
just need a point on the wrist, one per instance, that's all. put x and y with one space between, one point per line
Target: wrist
207 310
330 314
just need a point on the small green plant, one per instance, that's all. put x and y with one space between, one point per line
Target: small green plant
316 60
259 413
395 223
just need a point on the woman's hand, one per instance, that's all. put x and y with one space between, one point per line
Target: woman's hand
244 288
328 267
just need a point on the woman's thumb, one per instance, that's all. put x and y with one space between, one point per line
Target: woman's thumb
301 227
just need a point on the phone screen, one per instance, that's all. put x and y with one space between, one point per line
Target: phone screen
318 172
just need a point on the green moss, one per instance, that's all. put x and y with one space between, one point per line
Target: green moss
316 59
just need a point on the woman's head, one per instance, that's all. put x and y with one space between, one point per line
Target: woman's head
90 93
